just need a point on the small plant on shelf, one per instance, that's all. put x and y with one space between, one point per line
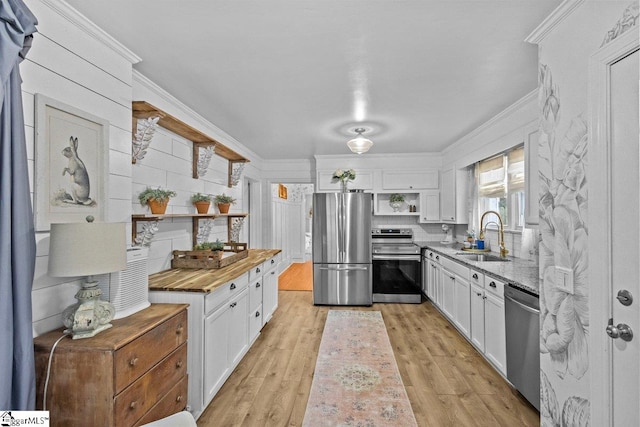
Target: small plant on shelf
201 202
396 200
156 198
223 201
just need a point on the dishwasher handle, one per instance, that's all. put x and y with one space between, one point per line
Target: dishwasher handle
523 306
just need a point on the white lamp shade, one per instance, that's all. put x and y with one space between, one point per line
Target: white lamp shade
86 249
359 144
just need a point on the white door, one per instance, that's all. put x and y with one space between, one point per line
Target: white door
615 212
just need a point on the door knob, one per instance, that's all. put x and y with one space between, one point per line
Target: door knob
622 331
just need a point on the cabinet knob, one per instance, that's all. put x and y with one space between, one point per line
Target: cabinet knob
133 405
273 272
257 270
479 294
179 330
179 364
257 314
133 361
258 285
273 261
233 304
233 286
475 276
438 257
492 284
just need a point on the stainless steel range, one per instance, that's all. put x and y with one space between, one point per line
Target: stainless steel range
396 266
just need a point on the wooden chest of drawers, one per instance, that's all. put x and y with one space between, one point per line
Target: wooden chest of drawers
130 374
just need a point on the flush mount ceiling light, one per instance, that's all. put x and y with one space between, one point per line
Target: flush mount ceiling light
359 144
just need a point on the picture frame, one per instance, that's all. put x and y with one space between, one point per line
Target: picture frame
72 164
282 191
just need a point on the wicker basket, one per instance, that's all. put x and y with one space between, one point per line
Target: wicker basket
233 252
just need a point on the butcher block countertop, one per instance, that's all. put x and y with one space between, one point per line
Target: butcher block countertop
207 279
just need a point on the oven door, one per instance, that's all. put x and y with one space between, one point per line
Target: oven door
397 278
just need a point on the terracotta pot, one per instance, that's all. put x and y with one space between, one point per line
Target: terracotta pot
202 207
224 207
158 207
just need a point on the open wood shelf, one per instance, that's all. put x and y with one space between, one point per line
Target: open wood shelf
144 110
195 218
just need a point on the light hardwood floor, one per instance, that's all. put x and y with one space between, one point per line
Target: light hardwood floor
298 277
448 382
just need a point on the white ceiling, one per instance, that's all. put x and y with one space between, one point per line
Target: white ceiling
293 78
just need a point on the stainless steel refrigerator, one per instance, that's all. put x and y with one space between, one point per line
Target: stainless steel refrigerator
342 269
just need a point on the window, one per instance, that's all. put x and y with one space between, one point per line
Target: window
501 186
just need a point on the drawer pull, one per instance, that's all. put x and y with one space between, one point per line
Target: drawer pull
257 285
257 314
179 398
233 304
257 270
233 286
437 256
179 363
492 284
475 276
273 272
273 261
179 330
133 361
479 294
133 405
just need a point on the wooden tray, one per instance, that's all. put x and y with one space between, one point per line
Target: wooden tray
233 252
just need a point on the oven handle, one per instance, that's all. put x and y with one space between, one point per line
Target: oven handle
396 258
342 268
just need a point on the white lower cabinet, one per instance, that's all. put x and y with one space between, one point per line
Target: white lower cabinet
495 347
448 282
477 316
462 313
222 326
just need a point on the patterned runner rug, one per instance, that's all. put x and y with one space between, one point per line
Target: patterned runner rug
356 381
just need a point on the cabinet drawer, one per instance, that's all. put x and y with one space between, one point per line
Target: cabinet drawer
255 293
454 267
256 272
476 278
494 286
273 262
224 292
142 395
137 357
172 402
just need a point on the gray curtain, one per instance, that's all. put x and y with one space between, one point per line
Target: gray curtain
17 236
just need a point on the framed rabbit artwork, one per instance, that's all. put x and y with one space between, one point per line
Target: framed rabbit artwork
72 164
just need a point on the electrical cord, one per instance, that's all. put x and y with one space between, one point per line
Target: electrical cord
46 382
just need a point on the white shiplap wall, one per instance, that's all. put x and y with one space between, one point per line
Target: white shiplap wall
76 63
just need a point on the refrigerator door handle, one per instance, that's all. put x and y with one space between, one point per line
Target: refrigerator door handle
343 268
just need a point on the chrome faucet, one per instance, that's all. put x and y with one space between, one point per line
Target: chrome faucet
503 250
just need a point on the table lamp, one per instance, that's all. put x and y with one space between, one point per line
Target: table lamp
87 249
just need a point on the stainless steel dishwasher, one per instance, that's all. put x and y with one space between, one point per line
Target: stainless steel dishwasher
522 316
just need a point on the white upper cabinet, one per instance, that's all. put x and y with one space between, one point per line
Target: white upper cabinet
453 196
531 174
410 180
364 180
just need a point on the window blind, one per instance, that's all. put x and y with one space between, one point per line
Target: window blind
491 174
515 162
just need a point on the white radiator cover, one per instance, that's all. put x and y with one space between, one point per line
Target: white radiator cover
128 290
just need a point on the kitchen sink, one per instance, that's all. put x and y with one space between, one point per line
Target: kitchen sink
482 257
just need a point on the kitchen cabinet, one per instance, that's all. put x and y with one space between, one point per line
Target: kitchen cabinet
456 296
222 322
495 333
462 313
364 180
448 283
477 317
130 374
453 196
410 180
531 180
433 278
429 206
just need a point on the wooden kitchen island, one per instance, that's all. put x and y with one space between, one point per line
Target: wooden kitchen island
227 309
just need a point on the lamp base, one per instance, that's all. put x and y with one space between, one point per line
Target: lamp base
90 315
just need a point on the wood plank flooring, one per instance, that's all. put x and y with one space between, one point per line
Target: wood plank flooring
298 277
448 382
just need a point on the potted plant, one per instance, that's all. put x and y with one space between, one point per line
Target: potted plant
396 200
217 248
156 198
201 202
223 201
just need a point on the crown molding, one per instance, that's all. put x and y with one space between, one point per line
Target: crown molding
560 13
191 113
65 10
510 110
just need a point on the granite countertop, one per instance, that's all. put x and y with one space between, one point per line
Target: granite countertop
522 273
